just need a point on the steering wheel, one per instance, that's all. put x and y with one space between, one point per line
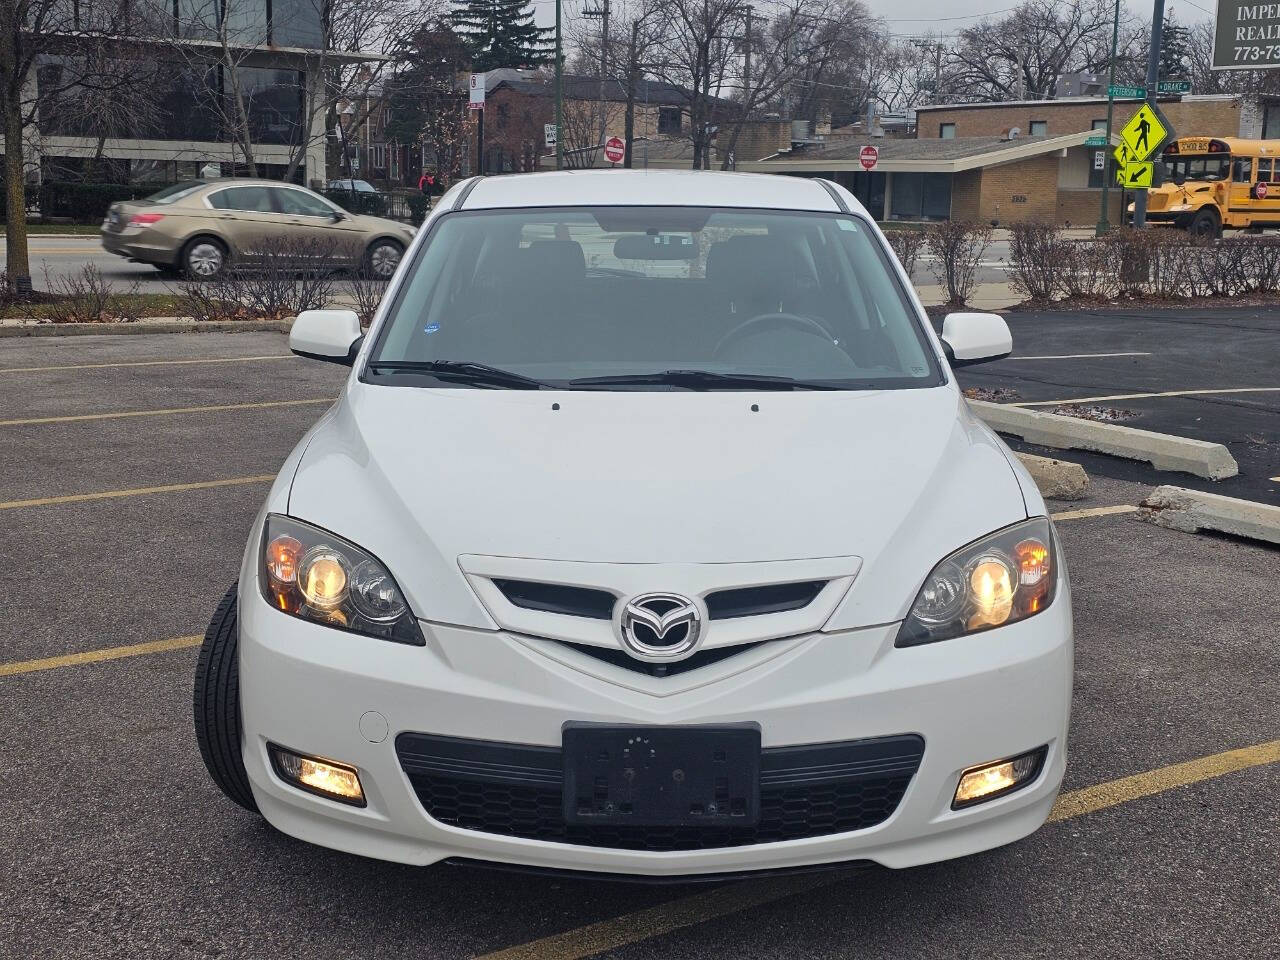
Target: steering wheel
795 321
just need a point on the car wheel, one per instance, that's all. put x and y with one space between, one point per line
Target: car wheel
1205 224
382 258
204 258
217 704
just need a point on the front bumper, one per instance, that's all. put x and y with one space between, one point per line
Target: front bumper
973 700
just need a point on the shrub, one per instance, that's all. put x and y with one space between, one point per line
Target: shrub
87 202
957 247
1091 270
290 276
418 205
359 201
1038 258
85 296
906 245
366 294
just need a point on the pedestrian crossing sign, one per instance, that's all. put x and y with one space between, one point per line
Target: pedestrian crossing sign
1145 132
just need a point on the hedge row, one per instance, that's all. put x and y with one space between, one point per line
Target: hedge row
1047 265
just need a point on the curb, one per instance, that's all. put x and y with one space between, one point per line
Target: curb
1163 451
1191 511
1057 479
120 329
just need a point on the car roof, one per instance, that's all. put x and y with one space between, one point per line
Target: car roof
681 188
249 182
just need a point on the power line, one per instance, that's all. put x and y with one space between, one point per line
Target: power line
971 16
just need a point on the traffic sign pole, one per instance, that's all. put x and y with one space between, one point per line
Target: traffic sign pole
1103 225
1153 79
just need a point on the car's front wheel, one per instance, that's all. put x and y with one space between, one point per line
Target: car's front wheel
217 704
382 258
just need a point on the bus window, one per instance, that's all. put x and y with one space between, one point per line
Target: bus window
1243 172
1264 171
1182 169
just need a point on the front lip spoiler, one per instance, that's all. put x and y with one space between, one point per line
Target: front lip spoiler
733 876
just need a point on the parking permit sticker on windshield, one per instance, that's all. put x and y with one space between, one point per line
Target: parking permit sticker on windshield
431 328
847 225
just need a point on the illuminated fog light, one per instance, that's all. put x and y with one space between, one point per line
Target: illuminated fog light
992 780
337 781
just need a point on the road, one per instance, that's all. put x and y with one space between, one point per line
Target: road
131 471
69 255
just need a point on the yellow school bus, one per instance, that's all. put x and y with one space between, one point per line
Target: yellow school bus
1216 182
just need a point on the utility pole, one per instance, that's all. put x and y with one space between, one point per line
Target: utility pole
1103 224
746 63
1153 78
480 141
601 13
559 93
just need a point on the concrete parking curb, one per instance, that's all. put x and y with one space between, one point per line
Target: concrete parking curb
1191 511
1163 451
1057 479
158 326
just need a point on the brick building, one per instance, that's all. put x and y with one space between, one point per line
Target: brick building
1010 162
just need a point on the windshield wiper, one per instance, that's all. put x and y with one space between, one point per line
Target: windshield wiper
462 371
703 380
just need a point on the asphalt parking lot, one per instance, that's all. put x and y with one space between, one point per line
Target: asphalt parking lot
130 471
1206 374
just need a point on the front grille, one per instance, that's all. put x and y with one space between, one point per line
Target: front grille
515 790
558 598
754 601
702 658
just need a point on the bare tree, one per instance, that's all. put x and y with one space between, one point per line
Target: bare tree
1021 56
427 104
697 50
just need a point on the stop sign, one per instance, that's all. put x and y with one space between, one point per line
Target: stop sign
614 149
868 157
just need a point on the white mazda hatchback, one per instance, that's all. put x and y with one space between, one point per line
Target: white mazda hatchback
651 534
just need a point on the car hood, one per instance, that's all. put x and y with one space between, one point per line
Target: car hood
421 477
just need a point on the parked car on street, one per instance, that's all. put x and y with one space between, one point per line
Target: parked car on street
200 228
650 534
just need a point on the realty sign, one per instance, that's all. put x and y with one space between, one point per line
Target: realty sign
1246 36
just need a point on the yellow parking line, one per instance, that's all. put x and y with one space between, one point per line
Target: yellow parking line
143 363
1092 799
97 656
136 492
1094 512
1143 396
160 413
645 924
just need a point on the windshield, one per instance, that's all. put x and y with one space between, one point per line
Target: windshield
642 296
1181 169
175 192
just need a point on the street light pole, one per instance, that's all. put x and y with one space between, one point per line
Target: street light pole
1103 224
1153 79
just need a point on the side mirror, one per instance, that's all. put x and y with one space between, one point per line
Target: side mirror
331 335
337 216
975 338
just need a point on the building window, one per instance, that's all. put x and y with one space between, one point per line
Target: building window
669 120
921 196
947 131
273 101
1039 128
1100 125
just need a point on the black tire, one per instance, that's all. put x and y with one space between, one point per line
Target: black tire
217 704
197 261
1205 224
376 258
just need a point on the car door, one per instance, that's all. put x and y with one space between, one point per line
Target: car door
314 222
246 218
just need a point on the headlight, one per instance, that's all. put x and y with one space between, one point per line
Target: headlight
310 573
1003 578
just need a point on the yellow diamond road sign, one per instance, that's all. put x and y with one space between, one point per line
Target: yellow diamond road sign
1144 133
1137 176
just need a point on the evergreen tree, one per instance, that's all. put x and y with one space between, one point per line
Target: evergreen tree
1175 50
502 33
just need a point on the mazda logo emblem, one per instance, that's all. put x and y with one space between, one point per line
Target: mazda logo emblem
660 626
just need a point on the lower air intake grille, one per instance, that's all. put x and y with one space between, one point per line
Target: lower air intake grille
515 790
